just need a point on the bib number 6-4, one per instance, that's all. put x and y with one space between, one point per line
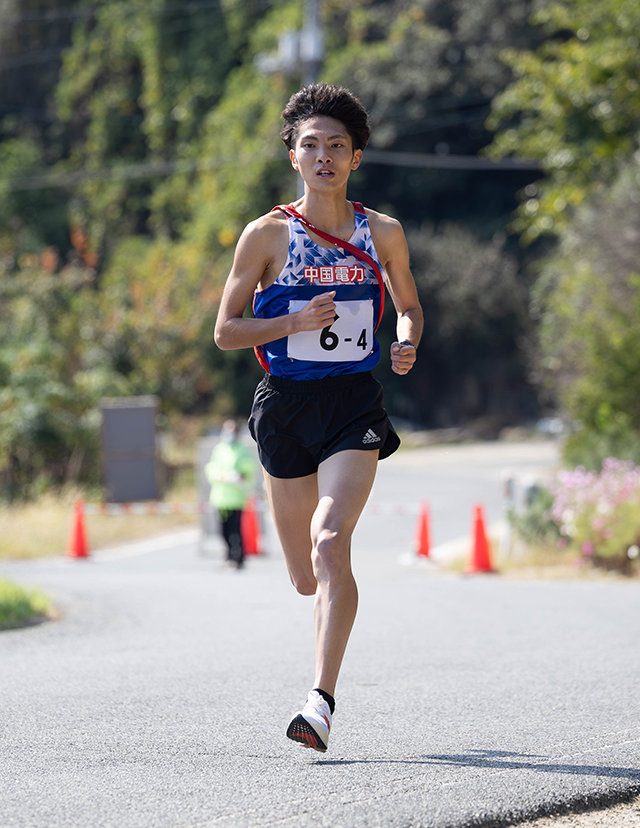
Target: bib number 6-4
329 340
349 338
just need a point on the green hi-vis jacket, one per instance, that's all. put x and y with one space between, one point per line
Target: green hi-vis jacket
231 473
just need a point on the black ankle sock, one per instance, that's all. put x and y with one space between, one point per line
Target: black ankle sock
329 699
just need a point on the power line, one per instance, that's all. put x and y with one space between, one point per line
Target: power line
444 161
31 58
155 169
73 13
139 170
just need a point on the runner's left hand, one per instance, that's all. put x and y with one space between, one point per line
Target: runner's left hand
402 358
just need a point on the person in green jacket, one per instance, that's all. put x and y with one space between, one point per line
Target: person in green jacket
231 474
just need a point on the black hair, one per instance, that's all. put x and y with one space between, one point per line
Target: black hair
332 101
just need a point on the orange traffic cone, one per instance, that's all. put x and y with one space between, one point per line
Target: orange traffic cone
480 560
78 544
250 529
423 541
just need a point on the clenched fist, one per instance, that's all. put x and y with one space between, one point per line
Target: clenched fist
402 357
318 313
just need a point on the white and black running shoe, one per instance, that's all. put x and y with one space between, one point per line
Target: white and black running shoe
311 727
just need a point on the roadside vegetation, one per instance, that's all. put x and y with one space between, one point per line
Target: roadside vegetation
20 607
42 526
591 518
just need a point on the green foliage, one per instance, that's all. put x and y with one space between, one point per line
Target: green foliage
588 302
427 72
136 84
17 157
19 606
29 219
155 309
534 524
612 435
575 106
241 136
47 425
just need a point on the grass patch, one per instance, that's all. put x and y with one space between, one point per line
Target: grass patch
42 527
19 607
549 562
540 561
543 561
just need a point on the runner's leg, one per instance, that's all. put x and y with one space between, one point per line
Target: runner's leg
344 483
293 502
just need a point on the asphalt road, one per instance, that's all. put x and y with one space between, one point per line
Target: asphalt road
161 696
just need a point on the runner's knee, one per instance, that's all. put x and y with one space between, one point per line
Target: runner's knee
330 555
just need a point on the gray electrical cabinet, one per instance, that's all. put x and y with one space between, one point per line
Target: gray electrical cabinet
131 467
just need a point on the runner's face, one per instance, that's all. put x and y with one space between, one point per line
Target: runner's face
324 153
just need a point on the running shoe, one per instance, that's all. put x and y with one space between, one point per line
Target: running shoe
311 727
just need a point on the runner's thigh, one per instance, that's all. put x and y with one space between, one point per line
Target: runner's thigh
344 483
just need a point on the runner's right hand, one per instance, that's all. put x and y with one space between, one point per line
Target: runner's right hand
318 313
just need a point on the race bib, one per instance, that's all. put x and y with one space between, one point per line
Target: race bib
348 339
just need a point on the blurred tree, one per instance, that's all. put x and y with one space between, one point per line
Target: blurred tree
155 311
51 377
135 85
33 35
575 106
427 71
588 301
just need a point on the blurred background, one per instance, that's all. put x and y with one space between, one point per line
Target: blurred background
138 137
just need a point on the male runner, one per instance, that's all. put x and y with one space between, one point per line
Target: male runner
314 271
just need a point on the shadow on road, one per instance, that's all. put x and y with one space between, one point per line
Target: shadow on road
498 760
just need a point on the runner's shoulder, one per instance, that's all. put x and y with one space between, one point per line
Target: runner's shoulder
267 230
383 225
387 234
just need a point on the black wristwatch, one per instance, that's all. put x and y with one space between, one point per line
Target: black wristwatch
406 342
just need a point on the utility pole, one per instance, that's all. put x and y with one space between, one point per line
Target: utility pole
311 43
311 54
299 53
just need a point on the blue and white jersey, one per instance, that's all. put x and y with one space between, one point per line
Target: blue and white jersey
348 345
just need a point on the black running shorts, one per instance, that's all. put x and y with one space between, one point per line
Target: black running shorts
299 423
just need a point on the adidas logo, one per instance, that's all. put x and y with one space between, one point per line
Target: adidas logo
371 437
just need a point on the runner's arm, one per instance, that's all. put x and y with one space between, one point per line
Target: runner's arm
391 244
256 250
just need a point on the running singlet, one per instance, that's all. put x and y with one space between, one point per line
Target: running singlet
348 345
